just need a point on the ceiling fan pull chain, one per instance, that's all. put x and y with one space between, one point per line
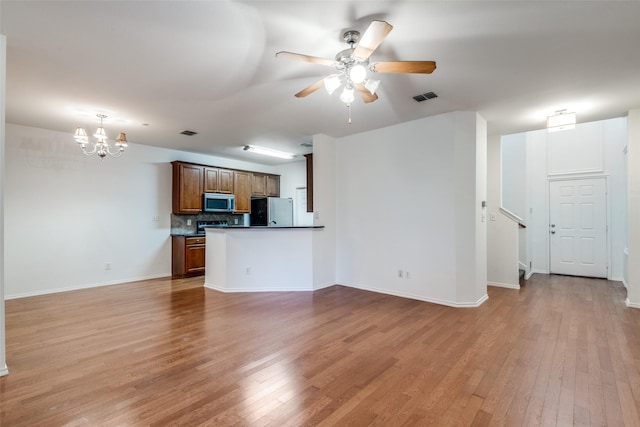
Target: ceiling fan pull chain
349 109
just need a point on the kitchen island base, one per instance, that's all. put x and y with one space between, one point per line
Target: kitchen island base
261 259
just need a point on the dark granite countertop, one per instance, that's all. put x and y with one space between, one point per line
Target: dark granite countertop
256 227
244 228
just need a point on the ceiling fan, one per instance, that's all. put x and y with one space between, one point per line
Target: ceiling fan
353 63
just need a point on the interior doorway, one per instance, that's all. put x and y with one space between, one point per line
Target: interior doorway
578 227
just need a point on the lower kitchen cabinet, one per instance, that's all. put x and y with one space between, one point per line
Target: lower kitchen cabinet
188 255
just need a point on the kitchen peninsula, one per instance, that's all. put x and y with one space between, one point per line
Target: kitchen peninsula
260 259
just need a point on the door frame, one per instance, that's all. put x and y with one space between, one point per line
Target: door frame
607 198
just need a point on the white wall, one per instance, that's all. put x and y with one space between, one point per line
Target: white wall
514 174
407 200
502 232
293 176
324 211
3 50
592 149
633 210
66 215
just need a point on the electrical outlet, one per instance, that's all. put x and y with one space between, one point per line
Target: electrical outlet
107 266
188 222
248 270
156 218
406 274
235 221
400 274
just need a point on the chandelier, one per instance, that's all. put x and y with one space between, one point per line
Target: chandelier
101 147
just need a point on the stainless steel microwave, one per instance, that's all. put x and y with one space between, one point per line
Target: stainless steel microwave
216 202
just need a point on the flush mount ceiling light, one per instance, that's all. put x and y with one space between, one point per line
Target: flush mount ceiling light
561 120
352 66
268 152
100 147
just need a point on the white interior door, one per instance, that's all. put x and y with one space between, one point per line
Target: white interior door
578 227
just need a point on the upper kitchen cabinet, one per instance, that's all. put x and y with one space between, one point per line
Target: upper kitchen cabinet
191 181
218 180
242 191
188 187
273 185
265 185
211 178
225 181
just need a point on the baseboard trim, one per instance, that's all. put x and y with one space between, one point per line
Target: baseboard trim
4 370
631 304
472 304
504 285
532 272
87 286
261 289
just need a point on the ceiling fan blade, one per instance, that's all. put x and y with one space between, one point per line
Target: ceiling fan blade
419 67
310 89
365 94
305 58
372 38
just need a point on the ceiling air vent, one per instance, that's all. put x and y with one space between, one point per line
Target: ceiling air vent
425 96
188 132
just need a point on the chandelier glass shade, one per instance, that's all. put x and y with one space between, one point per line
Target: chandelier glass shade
101 147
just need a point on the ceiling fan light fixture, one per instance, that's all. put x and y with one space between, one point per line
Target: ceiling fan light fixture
372 85
347 95
268 152
331 83
562 120
357 73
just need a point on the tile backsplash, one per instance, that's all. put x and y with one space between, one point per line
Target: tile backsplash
180 223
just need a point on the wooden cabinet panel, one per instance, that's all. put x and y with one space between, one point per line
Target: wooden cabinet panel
258 184
265 185
242 191
225 181
211 176
309 158
273 185
188 256
218 180
190 181
187 188
194 259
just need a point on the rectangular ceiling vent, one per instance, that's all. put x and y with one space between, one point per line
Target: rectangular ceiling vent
188 132
425 96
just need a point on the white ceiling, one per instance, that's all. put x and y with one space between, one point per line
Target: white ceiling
210 66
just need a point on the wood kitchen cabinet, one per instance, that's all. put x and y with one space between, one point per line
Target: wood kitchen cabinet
188 256
265 185
242 191
273 185
188 186
191 181
309 158
218 180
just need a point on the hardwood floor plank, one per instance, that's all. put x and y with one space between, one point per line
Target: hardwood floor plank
560 351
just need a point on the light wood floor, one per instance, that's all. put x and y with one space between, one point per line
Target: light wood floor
561 351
